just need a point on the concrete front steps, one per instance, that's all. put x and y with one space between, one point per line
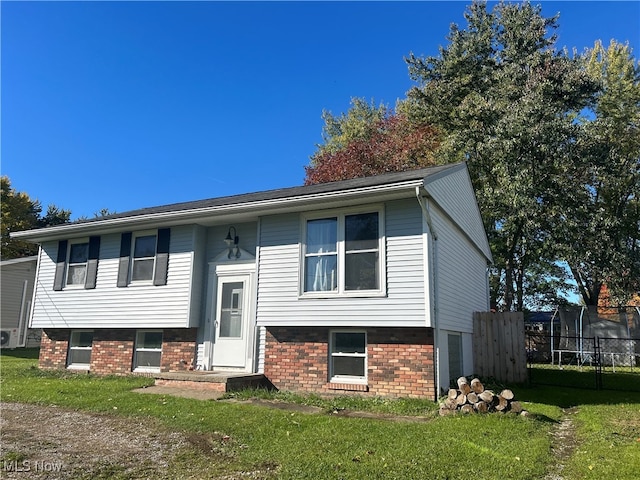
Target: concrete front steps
211 381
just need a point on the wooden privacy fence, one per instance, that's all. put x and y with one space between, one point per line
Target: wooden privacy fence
499 347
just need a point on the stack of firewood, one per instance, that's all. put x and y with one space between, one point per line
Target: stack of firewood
471 397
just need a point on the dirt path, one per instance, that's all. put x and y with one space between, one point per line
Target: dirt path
39 442
564 444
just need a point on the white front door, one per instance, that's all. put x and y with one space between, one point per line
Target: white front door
232 329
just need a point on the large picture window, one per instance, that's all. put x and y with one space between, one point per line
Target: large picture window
80 344
348 361
343 254
148 351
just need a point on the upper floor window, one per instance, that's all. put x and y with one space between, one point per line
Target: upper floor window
77 263
344 253
144 257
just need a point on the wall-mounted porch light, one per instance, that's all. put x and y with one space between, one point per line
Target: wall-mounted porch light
232 243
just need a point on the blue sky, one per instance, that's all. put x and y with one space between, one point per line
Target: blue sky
122 105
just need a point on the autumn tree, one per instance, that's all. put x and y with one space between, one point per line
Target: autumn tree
505 98
370 141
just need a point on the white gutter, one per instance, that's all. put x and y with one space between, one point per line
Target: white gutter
432 247
193 214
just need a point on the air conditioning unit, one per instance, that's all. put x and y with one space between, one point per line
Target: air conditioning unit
9 338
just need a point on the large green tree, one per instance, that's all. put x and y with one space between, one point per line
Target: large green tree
505 97
20 212
602 232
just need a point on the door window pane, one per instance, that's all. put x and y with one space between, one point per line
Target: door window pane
231 310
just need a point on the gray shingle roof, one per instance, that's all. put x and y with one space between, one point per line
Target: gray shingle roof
388 178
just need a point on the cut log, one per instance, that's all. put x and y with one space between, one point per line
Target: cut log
467 408
463 385
450 403
472 397
481 407
501 404
507 394
516 407
461 399
486 396
477 386
452 393
446 411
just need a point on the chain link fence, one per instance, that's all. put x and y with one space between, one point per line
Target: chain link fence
583 362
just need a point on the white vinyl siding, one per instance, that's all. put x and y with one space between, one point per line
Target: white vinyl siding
461 277
453 192
278 276
107 306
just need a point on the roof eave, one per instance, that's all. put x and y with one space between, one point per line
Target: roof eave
195 215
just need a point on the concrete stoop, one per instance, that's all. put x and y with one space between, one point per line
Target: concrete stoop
214 381
203 385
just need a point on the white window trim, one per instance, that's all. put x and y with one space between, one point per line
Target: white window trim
349 379
146 369
134 236
341 252
68 264
78 366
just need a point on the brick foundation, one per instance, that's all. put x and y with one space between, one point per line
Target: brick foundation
178 349
113 349
400 362
54 347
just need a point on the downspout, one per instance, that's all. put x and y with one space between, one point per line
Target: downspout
432 246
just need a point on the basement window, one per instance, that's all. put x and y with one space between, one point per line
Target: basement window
80 344
348 360
148 351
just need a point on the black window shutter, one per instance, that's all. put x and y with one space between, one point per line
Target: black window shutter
92 262
61 261
125 253
162 257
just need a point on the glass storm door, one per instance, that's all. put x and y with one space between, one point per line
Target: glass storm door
231 324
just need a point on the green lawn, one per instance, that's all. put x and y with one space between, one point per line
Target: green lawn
327 446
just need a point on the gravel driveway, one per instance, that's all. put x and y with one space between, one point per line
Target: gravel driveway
39 442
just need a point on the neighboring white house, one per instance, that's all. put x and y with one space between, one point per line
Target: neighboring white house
17 278
366 285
